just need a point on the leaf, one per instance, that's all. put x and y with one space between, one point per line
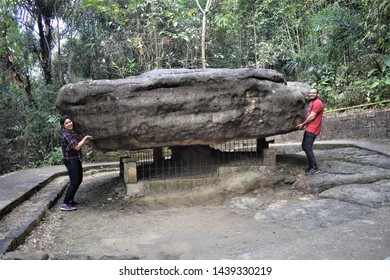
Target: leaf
372 71
374 85
387 61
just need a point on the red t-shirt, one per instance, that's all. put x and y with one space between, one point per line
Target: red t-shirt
315 125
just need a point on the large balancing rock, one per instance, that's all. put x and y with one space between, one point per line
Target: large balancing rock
174 107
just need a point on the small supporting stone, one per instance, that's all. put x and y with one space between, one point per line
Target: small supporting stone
157 154
270 158
129 170
261 144
121 166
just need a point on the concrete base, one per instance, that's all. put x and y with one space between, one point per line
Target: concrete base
270 158
144 188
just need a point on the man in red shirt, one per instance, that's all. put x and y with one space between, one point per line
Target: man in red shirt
312 126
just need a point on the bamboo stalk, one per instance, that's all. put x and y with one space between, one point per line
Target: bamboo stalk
357 106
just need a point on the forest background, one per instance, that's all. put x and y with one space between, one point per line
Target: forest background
341 47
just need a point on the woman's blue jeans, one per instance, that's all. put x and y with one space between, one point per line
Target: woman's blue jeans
307 146
75 172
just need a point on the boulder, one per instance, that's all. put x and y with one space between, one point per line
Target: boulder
179 107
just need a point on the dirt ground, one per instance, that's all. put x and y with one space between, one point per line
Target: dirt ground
108 224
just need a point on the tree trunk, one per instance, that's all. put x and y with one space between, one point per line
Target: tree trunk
9 70
70 56
204 22
60 74
204 40
45 39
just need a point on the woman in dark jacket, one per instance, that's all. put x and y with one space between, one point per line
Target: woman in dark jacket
71 149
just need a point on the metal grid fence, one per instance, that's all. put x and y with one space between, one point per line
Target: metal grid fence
232 153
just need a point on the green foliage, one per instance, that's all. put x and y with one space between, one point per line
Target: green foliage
370 87
10 125
375 23
28 133
341 47
54 157
339 59
119 39
376 85
127 69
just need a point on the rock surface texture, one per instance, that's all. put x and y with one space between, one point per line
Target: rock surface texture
178 107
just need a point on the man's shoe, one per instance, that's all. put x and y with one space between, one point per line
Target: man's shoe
312 171
67 207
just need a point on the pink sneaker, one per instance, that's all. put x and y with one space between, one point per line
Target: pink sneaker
67 207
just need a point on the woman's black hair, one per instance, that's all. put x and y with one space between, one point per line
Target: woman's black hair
63 119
